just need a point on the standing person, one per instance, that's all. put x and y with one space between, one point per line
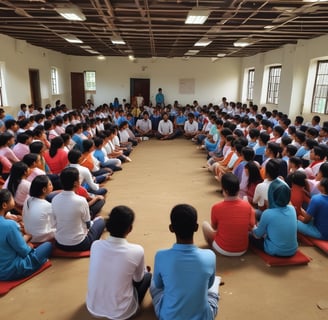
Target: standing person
231 220
118 294
74 229
276 232
184 285
160 98
17 259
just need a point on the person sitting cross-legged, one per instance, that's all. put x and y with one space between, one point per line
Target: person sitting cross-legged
184 284
231 220
74 229
119 294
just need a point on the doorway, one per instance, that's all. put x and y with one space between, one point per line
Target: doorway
35 87
140 86
77 89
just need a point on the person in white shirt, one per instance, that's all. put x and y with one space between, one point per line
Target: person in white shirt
75 158
190 126
37 211
165 129
74 229
118 279
144 126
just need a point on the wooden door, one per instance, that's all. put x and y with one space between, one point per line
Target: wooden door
140 86
77 89
35 87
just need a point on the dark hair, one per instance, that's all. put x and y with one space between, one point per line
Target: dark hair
316 119
312 132
230 184
5 196
36 147
98 142
37 185
22 138
87 144
299 119
120 220
66 137
311 143
68 177
280 130
272 168
248 153
17 172
184 221
274 148
297 161
4 138
300 135
291 150
324 184
9 123
264 137
254 133
286 140
74 156
254 175
299 178
30 158
55 144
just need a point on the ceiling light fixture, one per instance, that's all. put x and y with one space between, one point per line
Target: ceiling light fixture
71 38
70 12
244 42
269 27
203 42
101 57
117 40
197 16
92 51
191 52
221 55
131 57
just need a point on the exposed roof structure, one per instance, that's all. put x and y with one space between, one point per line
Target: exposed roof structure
157 28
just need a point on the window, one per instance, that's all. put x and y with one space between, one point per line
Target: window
90 80
273 85
54 81
1 89
250 84
2 85
320 92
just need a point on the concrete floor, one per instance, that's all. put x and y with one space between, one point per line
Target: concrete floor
163 174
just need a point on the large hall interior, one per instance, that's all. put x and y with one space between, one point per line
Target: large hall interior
272 54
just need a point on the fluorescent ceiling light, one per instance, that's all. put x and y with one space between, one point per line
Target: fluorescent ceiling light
71 38
244 42
221 55
92 51
101 57
191 52
70 12
131 57
197 16
85 47
203 42
117 40
269 27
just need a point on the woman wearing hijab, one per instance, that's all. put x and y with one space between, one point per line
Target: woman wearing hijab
276 232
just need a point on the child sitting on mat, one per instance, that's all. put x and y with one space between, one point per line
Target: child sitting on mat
17 259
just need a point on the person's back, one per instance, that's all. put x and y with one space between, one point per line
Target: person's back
115 296
231 220
278 224
184 284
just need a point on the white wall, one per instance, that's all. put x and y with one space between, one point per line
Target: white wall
296 85
17 58
212 80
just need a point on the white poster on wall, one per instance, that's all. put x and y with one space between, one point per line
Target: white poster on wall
187 86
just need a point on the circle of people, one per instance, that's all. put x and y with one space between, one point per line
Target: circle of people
273 176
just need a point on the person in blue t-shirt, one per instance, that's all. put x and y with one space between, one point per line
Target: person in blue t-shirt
160 99
184 284
314 221
276 232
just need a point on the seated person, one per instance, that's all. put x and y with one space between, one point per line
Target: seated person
190 126
144 126
100 154
74 229
276 232
165 129
231 220
17 259
184 281
37 211
313 222
56 157
119 294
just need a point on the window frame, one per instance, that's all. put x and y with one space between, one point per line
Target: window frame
87 86
273 85
250 84
54 81
319 88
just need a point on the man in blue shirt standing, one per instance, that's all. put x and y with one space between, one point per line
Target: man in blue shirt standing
159 98
184 285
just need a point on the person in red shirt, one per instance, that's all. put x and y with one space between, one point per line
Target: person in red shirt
231 220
